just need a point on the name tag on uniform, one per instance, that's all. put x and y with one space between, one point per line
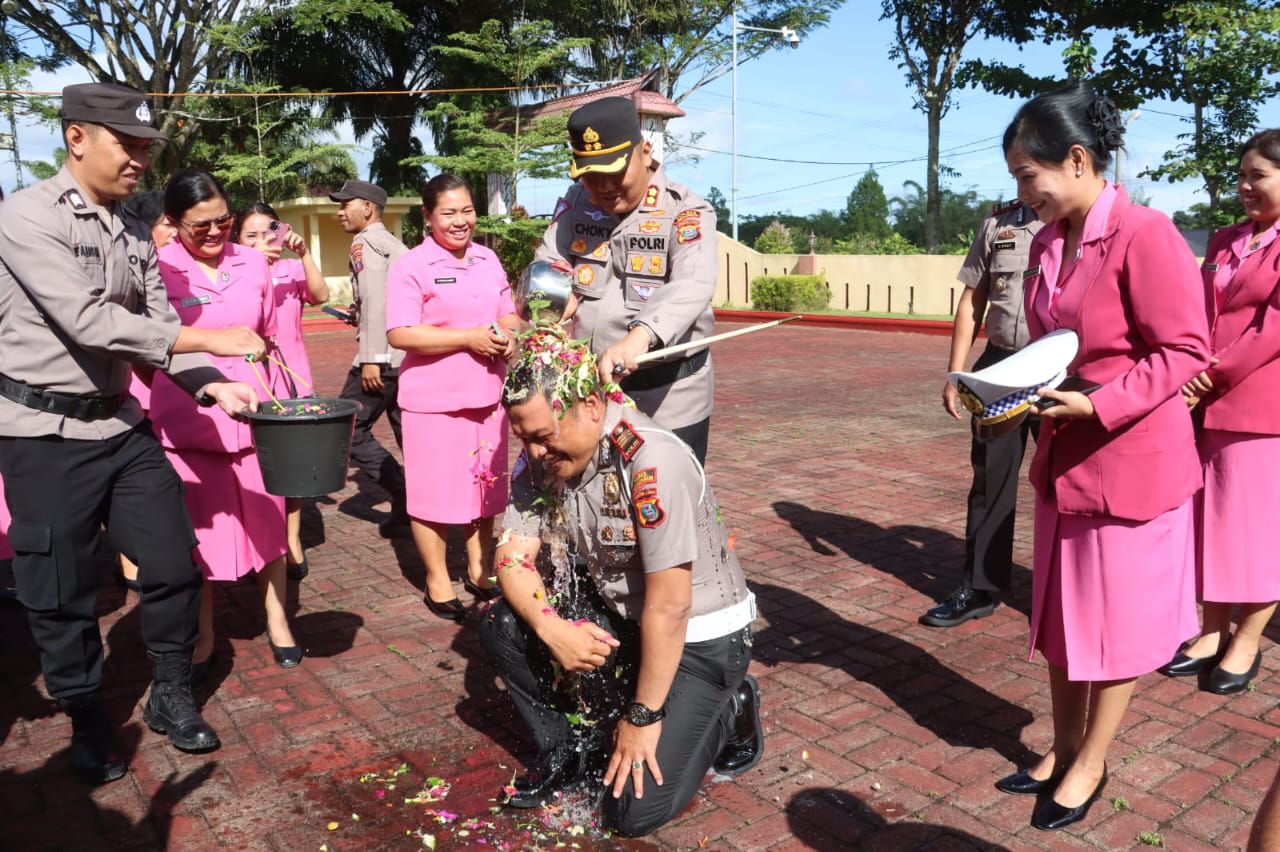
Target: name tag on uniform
1031 273
446 280
1005 246
192 301
1211 267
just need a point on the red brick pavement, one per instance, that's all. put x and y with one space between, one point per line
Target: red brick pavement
845 485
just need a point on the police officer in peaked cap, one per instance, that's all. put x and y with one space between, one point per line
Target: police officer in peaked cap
81 302
643 253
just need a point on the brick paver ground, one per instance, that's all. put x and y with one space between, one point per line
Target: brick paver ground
844 483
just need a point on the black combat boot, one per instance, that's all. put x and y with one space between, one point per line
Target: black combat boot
171 709
93 744
746 744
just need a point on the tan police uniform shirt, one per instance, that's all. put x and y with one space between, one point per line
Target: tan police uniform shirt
656 266
81 301
642 505
994 267
372 252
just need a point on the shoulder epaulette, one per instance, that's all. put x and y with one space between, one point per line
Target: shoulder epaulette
625 440
997 209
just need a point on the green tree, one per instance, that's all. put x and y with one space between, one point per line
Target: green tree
718 203
867 210
960 215
777 238
929 39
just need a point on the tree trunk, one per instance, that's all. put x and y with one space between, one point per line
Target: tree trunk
933 200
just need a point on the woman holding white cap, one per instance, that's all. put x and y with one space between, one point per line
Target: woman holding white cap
1240 444
1114 472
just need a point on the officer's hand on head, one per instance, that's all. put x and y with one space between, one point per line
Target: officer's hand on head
233 397
951 396
238 341
371 378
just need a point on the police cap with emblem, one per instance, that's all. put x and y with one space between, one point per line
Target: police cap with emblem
360 189
121 108
602 135
1002 395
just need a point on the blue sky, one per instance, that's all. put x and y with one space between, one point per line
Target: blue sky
839 99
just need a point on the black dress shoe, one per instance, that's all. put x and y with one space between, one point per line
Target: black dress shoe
287 657
746 744
297 570
93 745
1021 783
450 610
965 603
1183 666
1229 683
479 593
558 769
1051 816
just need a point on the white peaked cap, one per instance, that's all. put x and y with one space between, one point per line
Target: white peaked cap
1008 388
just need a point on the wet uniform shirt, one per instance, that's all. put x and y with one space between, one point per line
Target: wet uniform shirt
657 266
372 252
81 301
642 505
994 267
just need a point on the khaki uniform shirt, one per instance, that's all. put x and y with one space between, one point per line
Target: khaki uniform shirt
656 266
372 252
994 267
642 505
81 301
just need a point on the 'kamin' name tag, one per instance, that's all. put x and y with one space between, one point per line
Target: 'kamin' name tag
192 301
446 280
1031 273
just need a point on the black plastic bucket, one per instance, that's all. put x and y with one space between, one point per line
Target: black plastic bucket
303 446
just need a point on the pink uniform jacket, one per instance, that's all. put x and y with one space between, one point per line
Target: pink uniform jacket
1245 338
241 295
1136 301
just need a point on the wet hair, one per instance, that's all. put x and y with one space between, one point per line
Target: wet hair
257 208
1046 126
1266 143
187 188
147 206
528 379
439 185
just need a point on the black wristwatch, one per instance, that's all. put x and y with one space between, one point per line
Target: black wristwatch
654 341
642 716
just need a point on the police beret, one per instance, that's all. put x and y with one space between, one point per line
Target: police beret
602 135
124 109
360 189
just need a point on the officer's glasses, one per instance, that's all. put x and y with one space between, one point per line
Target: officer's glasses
200 230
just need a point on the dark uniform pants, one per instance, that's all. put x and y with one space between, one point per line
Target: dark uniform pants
369 455
60 493
993 497
695 435
699 716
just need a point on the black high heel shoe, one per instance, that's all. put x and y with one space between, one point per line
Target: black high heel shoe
288 657
1051 816
1183 666
450 610
1021 783
479 593
1222 682
296 570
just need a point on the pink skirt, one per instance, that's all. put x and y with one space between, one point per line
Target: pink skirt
6 552
455 464
239 525
1237 510
1112 599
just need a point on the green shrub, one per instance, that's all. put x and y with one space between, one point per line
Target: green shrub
790 293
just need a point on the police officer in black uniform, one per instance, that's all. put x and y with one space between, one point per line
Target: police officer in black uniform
81 301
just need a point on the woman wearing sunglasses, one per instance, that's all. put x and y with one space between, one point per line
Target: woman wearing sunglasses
294 281
213 283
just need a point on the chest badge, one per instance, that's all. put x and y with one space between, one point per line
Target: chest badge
578 246
649 226
612 507
224 277
586 275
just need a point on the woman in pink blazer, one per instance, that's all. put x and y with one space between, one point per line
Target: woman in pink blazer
1240 443
1115 471
449 307
240 528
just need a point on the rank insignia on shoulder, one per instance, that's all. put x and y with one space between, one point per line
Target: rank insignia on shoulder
625 439
649 512
561 206
76 199
651 195
998 208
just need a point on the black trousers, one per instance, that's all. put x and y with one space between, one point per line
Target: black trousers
369 455
699 707
695 435
60 493
993 497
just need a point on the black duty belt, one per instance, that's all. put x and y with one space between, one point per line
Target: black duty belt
65 404
665 374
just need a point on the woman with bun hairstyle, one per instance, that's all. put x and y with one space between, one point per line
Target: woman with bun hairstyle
1115 471
1240 443
240 528
294 282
